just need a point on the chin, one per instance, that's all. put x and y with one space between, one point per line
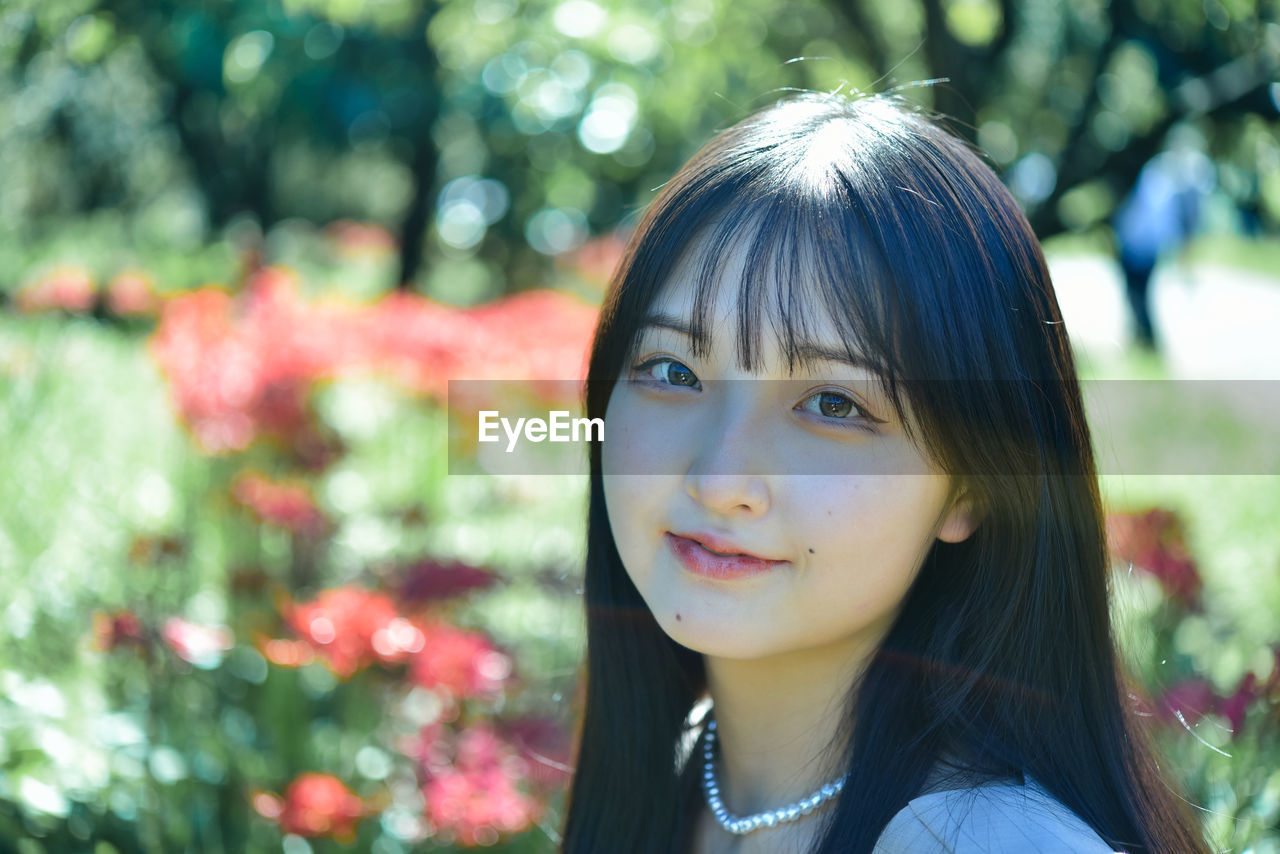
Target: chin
711 636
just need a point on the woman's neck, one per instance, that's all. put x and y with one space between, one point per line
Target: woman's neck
775 719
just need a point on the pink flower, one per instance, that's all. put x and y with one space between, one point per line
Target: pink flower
285 504
1154 542
429 747
460 663
477 798
200 645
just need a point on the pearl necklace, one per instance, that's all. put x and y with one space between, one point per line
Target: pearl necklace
740 826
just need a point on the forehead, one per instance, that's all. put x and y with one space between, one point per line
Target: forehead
764 298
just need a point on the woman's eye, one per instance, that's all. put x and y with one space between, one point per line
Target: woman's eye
841 410
668 372
832 408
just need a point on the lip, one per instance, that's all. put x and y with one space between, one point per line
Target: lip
694 553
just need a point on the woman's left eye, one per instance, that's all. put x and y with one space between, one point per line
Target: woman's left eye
673 373
836 408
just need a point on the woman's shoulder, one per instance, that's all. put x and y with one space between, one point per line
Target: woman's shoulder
997 817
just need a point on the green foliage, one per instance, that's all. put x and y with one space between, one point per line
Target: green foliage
179 118
111 510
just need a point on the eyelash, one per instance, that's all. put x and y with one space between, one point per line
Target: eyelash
865 422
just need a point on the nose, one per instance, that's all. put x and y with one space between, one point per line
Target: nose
727 475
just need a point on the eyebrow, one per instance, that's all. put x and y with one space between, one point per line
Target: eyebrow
806 351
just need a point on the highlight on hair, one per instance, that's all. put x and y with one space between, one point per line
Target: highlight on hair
1002 659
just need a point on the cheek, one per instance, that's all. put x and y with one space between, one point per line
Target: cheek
621 493
626 503
637 439
872 530
630 499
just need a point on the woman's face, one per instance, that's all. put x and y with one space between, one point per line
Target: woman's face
744 462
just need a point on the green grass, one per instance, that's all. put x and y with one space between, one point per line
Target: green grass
1255 254
1226 249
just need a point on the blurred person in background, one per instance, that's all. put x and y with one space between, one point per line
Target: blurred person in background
1159 215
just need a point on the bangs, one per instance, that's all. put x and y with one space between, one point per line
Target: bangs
813 276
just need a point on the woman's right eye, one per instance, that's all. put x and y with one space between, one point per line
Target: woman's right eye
666 371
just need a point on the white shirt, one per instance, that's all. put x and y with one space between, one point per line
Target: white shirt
1000 818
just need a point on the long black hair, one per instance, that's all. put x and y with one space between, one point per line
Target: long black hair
1002 656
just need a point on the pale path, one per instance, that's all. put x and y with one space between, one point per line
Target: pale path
1214 322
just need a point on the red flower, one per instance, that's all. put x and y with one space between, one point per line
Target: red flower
234 365
477 798
1234 707
130 294
351 628
429 580
461 663
69 288
1154 542
210 370
1192 699
285 653
284 504
356 239
123 628
244 366
314 805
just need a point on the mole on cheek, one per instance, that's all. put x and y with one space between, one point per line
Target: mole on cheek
810 551
677 615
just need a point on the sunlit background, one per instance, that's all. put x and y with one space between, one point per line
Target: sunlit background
246 606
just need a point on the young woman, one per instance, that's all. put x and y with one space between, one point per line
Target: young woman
846 577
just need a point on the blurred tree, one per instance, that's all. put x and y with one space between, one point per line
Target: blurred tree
494 135
1076 97
252 87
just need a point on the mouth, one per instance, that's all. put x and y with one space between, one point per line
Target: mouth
719 546
723 563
